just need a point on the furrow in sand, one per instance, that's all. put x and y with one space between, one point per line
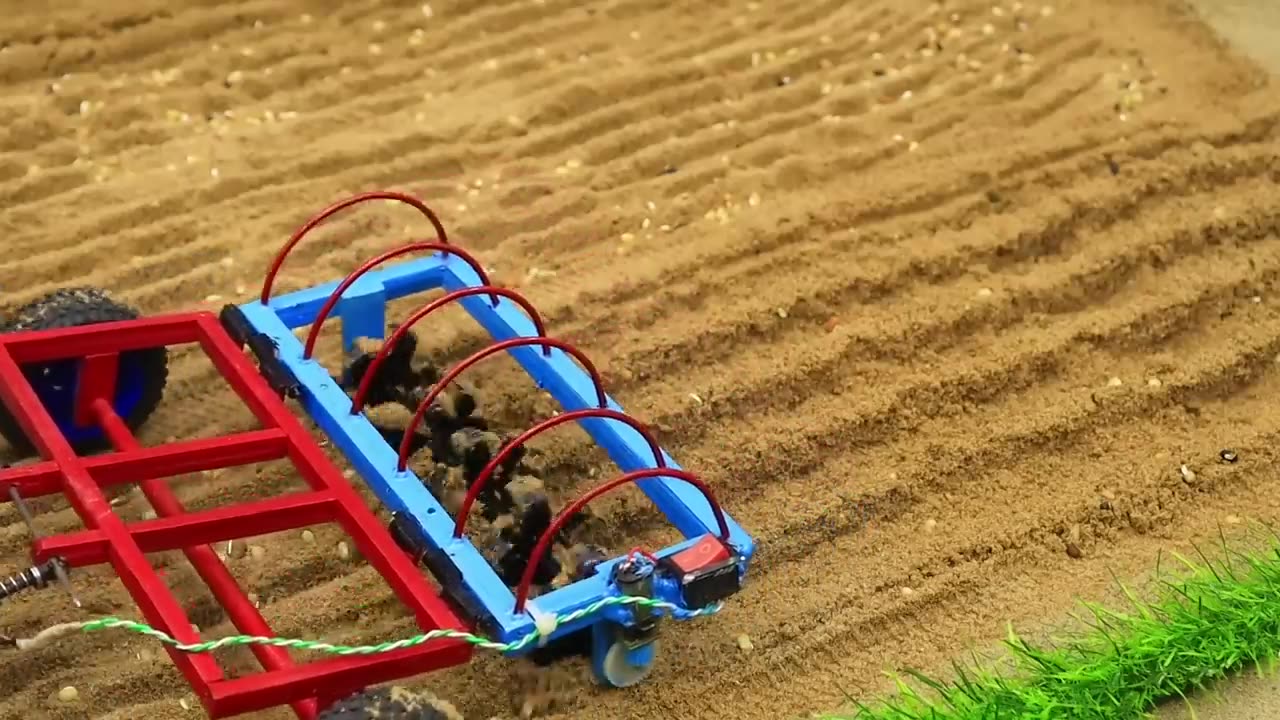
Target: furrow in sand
272 31
1057 359
166 208
203 272
348 94
1053 226
393 151
51 46
955 200
856 486
815 295
823 275
191 255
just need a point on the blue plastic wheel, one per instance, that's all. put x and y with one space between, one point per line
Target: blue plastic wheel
139 384
614 664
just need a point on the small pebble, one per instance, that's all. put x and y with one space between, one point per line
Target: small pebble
257 552
930 525
1154 382
1115 382
1229 456
344 551
1074 552
68 694
745 644
907 592
1188 475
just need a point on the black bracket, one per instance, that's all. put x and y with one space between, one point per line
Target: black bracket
277 374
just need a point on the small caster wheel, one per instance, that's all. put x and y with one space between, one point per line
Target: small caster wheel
391 703
615 665
139 384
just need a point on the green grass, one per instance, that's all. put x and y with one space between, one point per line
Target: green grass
1201 625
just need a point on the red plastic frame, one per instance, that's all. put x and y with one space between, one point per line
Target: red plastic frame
407 442
460 523
356 274
337 207
573 508
108 539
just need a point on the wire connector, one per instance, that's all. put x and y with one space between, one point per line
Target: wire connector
544 624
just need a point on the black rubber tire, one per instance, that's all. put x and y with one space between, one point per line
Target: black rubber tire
390 703
73 307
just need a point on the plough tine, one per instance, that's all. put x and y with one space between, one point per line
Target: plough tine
59 568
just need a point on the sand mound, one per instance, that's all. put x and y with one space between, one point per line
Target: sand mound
957 288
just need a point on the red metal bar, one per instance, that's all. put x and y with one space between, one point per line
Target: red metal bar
335 676
357 402
337 207
97 378
367 532
548 536
276 514
155 601
407 442
101 338
242 613
180 458
107 537
189 456
41 475
473 492
368 265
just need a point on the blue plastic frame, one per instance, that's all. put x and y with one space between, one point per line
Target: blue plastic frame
363 315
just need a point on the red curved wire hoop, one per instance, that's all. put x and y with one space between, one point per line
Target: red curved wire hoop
544 542
406 443
323 215
460 523
356 274
357 402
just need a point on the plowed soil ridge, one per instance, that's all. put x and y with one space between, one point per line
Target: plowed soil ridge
939 296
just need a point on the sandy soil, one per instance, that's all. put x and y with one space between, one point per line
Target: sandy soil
939 296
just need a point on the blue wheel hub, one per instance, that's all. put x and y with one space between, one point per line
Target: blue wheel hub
56 383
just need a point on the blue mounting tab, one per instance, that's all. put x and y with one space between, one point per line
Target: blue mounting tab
363 314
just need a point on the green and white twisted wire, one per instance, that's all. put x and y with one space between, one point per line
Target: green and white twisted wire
112 623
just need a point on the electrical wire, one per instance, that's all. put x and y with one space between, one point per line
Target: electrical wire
54 633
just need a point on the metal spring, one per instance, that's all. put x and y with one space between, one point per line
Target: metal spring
38 576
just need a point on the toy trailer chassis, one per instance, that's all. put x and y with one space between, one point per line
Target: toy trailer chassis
108 539
360 302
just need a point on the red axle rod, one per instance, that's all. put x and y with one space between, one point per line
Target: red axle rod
356 274
323 215
406 443
483 478
357 402
544 542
